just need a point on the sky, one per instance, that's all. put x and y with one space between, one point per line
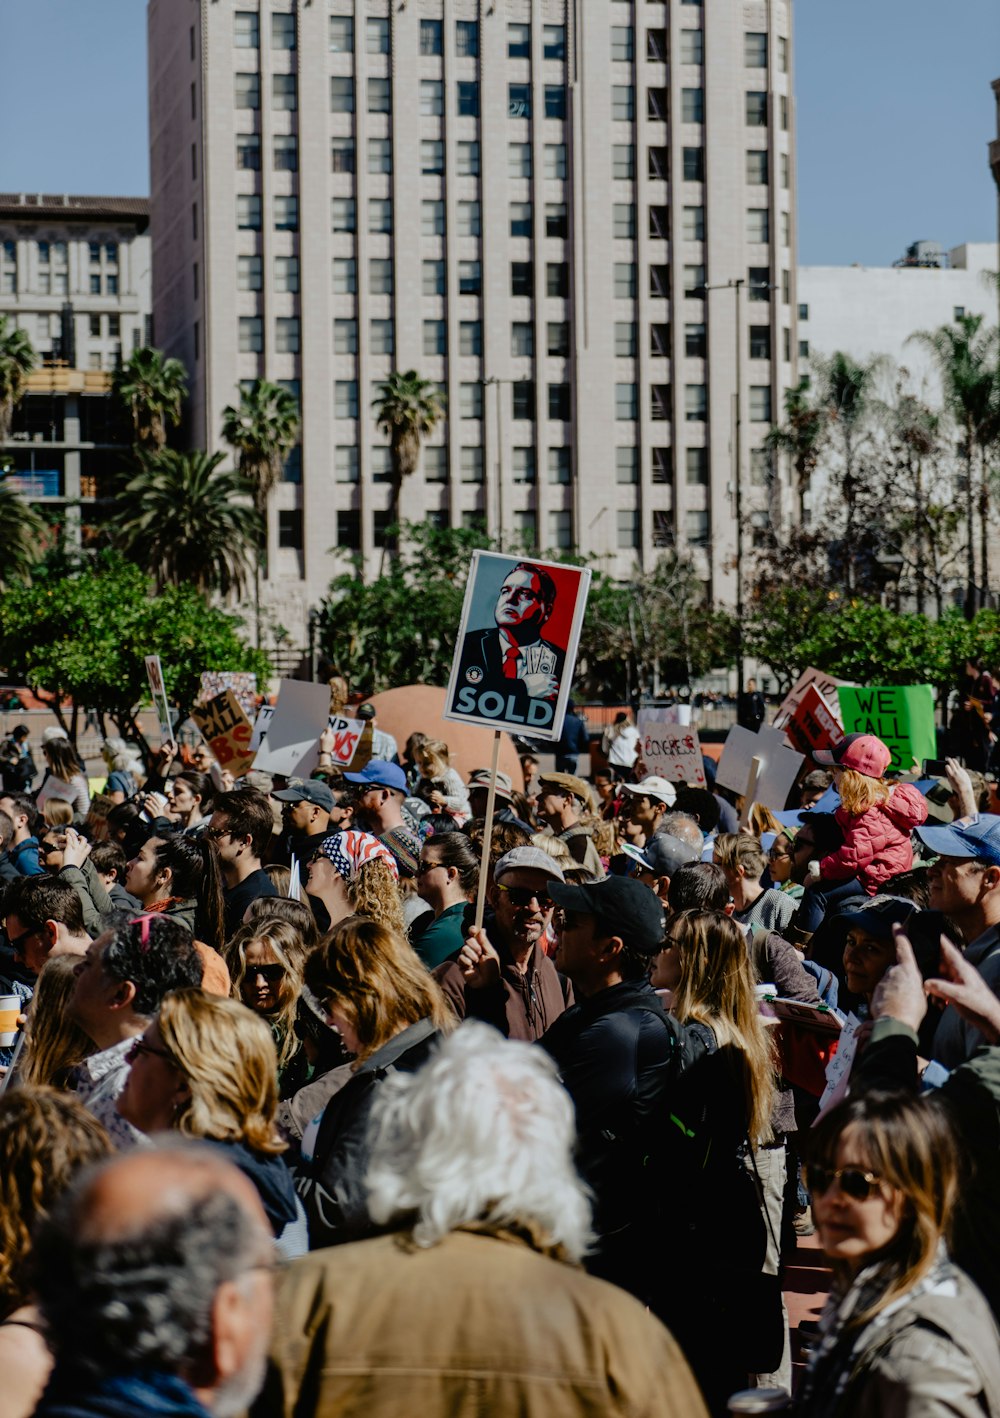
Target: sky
894 112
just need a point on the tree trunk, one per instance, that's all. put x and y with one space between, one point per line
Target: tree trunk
970 549
984 532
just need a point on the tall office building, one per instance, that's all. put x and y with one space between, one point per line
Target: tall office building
538 204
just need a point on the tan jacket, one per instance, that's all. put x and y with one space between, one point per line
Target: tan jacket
481 1323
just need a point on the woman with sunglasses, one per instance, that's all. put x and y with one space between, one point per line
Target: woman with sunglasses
266 960
353 873
447 878
905 1331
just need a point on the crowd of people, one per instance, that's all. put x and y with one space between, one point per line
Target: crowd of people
290 1126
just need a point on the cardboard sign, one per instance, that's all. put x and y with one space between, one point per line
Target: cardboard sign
227 731
826 685
241 682
290 743
517 643
668 749
901 716
813 724
157 689
349 741
264 716
777 776
778 765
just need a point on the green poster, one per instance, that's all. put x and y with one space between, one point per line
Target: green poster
902 717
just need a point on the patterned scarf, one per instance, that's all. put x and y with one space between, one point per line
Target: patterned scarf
350 851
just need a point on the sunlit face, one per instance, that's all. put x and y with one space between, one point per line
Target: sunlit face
851 1230
262 979
645 812
432 877
346 1030
155 1087
50 851
779 859
297 817
184 798
519 604
324 880
143 878
522 904
954 884
92 986
202 758
31 948
866 959
667 967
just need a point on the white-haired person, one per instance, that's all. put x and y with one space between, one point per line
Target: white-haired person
474 1299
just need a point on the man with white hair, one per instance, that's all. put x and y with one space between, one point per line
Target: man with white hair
474 1299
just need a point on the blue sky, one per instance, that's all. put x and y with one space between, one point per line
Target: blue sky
894 113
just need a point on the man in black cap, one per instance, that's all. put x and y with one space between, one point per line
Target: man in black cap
659 861
307 805
619 1055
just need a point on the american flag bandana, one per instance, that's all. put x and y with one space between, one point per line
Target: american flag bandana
349 851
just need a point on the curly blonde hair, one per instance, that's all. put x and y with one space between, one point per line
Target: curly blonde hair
374 893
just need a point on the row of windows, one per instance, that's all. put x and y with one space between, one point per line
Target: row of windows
695 403
435 462
247 30
47 282
57 252
377 38
560 526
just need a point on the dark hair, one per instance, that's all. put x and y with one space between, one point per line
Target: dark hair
818 778
126 819
698 886
6 830
165 960
455 850
911 884
826 832
249 814
37 899
107 857
200 784
546 585
197 874
23 804
700 804
293 913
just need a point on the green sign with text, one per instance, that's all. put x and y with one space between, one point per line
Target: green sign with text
901 716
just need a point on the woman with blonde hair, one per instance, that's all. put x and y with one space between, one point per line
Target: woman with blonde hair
353 873
53 1043
57 813
439 783
266 959
389 1011
206 1067
63 778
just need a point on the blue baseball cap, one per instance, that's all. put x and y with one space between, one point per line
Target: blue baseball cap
977 837
379 774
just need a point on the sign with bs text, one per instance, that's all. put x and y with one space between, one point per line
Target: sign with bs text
226 730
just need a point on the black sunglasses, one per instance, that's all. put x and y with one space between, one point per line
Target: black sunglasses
271 973
524 895
853 1181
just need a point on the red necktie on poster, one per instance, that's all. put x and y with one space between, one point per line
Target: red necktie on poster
510 663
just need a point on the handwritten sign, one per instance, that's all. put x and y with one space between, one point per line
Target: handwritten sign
350 736
902 716
826 685
157 689
814 724
227 731
668 749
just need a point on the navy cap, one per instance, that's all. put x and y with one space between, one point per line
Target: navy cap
879 915
977 837
662 854
623 906
379 774
307 790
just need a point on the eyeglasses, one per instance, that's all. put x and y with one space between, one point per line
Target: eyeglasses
215 834
774 856
854 1182
16 941
425 867
271 973
139 1046
526 896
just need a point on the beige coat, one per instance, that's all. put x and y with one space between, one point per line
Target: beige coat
480 1324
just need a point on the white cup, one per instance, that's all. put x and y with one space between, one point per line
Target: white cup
10 1007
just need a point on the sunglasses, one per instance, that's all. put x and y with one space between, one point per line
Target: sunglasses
774 856
853 1181
271 973
425 867
139 1046
526 895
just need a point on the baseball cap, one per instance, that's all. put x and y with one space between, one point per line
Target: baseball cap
662 854
863 753
480 778
307 790
528 859
378 773
977 837
622 906
661 790
569 782
879 915
365 711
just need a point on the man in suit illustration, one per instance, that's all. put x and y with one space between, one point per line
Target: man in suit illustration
514 661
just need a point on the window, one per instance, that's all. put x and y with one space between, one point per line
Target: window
786 287
290 528
804 312
693 225
657 106
522 339
435 337
468 98
43 284
659 282
523 399
660 466
349 531
345 399
432 218
659 223
519 100
284 92
555 161
467 38
286 274
345 337
758 225
623 103
379 95
286 154
470 337
559 403
803 349
695 403
623 162
194 229
693 47
786 344
695 344
759 283
557 279
755 51
435 465
656 45
556 223
622 43
518 159
286 213
433 278
696 528
526 523
341 94
467 159
470 278
519 41
786 169
93 247
692 105
341 34
249 274
110 285
380 276
470 401
248 212
554 41
756 109
345 275
251 331
282 31
382 340
628 528
94 326
341 154
555 101
471 463
760 403
561 530
626 403
247 30
520 219
345 461
379 155
623 221
431 98
522 278
469 219
760 342
248 91
782 54
626 465
377 35
658 163
694 164
286 334
557 339
786 228
343 214
524 465
248 151
757 167
624 278
625 339
430 37
696 467
380 214
659 399
560 461
760 466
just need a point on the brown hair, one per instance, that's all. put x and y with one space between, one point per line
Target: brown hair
739 849
283 908
249 814
62 760
289 950
53 1043
859 793
57 813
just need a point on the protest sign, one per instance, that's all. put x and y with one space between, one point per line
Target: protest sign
241 682
814 724
777 765
776 776
516 644
264 716
290 745
349 737
902 716
227 731
154 673
668 749
824 684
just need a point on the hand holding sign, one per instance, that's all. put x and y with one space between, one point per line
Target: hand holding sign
227 731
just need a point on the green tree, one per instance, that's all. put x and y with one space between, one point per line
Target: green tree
17 360
22 535
407 409
846 392
801 437
182 518
152 388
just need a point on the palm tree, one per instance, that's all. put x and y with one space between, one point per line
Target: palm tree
22 533
407 409
262 430
185 519
847 395
17 360
153 389
801 436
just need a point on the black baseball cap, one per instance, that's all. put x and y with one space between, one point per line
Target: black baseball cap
307 790
623 906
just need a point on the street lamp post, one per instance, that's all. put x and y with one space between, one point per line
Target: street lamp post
496 381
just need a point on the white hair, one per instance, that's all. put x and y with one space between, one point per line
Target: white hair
120 756
483 1132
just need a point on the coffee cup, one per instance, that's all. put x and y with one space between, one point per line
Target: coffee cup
10 1007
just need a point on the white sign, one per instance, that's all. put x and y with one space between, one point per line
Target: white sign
264 716
776 777
669 749
778 765
346 734
290 737
154 673
826 685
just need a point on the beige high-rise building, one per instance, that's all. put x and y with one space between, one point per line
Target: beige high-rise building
524 200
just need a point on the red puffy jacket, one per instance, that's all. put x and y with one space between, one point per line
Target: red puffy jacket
877 844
